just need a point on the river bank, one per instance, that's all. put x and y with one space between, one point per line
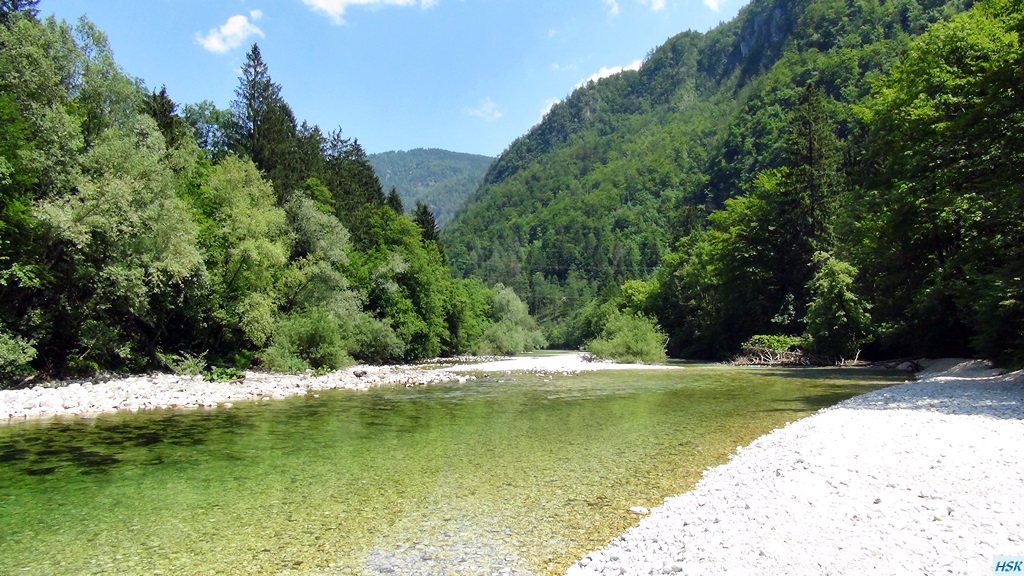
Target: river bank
163 391
921 478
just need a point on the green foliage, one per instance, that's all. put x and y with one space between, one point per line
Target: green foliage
619 172
128 245
184 364
15 355
9 9
774 342
224 374
631 338
837 320
309 339
942 236
394 202
247 245
512 330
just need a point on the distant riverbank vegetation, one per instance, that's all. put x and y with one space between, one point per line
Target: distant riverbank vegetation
136 234
842 174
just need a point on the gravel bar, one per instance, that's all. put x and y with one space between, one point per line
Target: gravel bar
921 478
161 391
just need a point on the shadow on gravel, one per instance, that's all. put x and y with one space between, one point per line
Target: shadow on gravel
997 397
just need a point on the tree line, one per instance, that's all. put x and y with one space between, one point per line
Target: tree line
138 235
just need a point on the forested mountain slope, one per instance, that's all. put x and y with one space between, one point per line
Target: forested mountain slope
441 179
617 182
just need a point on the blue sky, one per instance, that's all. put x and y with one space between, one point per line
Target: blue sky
464 75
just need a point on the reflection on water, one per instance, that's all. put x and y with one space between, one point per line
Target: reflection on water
522 471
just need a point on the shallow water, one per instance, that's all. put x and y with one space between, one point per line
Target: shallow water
518 471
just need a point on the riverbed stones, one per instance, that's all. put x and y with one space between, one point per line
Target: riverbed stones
922 478
152 391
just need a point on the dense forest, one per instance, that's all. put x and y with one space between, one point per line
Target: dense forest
136 235
440 179
829 176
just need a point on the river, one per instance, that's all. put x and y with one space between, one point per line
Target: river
516 472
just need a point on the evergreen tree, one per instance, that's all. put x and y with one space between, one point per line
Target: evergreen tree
423 216
395 202
263 125
161 108
801 205
811 153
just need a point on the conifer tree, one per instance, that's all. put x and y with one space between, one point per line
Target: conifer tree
394 201
423 216
263 125
161 108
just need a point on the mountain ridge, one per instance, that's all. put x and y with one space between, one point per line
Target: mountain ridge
618 172
442 179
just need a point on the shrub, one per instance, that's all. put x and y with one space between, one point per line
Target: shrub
513 330
375 340
224 374
308 339
184 364
777 343
632 338
15 354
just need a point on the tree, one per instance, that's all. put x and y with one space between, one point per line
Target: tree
837 319
8 9
210 128
423 216
942 229
105 96
394 201
247 246
160 107
121 247
263 125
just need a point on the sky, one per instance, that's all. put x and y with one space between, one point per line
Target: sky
462 75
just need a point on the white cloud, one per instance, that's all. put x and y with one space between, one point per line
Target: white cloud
231 35
487 110
713 4
335 9
552 33
613 7
657 5
606 71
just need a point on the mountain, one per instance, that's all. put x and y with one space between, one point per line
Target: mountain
441 179
624 168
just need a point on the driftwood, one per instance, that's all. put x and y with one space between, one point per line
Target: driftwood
758 356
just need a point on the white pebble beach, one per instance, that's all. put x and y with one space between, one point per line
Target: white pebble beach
921 478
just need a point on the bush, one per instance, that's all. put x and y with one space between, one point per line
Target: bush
308 339
777 343
513 330
632 338
184 364
375 340
507 338
15 354
224 374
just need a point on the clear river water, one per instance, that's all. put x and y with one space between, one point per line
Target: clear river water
521 473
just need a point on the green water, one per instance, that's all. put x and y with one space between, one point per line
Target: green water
523 471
